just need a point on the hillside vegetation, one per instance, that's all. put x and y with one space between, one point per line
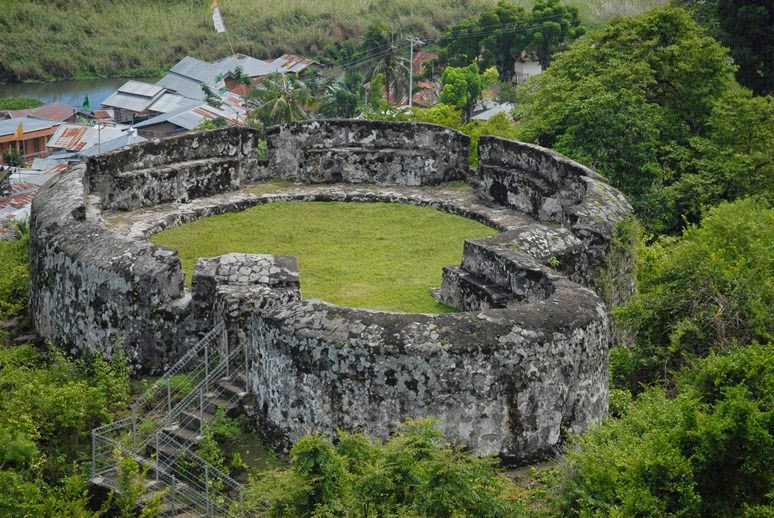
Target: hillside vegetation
58 39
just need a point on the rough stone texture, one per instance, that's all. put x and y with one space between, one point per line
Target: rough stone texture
504 382
525 359
553 188
92 289
175 169
355 151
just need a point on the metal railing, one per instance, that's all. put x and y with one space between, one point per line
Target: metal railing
184 398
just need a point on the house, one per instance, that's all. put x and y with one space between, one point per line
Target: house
133 100
189 118
526 66
58 112
16 206
88 140
492 109
189 74
36 132
257 69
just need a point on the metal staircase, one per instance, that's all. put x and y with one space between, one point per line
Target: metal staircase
167 423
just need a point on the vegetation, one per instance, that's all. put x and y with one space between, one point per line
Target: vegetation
616 100
705 452
19 103
57 39
745 27
281 98
707 291
49 405
14 274
367 255
414 473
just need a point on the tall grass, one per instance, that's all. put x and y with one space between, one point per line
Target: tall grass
49 39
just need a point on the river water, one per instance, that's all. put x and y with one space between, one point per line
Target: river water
71 93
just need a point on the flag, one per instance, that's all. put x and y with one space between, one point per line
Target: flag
19 132
86 103
216 18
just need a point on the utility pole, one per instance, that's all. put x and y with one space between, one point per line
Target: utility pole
413 41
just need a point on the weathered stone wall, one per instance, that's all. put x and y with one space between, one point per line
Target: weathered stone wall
175 169
504 382
526 357
92 289
554 189
359 151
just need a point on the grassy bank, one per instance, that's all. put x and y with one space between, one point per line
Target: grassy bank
368 255
60 39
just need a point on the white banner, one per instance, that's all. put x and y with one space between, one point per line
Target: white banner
217 19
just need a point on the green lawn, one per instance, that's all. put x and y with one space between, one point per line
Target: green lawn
368 255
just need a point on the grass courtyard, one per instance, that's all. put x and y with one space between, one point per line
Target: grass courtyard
367 255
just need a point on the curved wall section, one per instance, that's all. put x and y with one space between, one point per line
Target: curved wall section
360 151
525 358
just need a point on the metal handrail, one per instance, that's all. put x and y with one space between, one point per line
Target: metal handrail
178 366
204 364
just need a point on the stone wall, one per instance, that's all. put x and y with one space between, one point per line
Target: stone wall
175 169
504 382
524 359
554 189
359 151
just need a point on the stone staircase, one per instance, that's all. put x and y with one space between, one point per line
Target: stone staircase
168 422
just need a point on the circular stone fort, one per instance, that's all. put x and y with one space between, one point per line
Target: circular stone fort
524 358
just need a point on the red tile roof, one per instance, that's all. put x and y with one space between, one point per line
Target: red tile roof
53 112
21 195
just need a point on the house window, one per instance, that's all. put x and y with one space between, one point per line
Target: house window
36 145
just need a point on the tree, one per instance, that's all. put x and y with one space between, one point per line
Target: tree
629 100
210 97
705 452
745 27
414 473
13 157
705 292
342 99
551 27
496 37
380 42
461 88
279 99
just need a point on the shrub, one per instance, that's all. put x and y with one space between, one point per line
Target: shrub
414 473
707 452
707 291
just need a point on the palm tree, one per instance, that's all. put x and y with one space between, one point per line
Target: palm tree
279 99
379 41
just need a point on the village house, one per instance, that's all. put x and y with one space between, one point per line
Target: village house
35 134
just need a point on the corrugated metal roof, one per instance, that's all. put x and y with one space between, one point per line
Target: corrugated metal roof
251 66
183 85
127 139
197 69
170 102
9 126
52 111
78 138
141 89
129 102
505 108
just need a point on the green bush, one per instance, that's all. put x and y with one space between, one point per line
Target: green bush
414 473
14 274
706 452
48 406
707 291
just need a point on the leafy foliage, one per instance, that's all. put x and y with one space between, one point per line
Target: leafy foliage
551 27
414 473
704 292
14 274
704 453
461 88
646 101
19 103
48 406
278 99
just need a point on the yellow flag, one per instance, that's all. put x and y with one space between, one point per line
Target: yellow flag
19 132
